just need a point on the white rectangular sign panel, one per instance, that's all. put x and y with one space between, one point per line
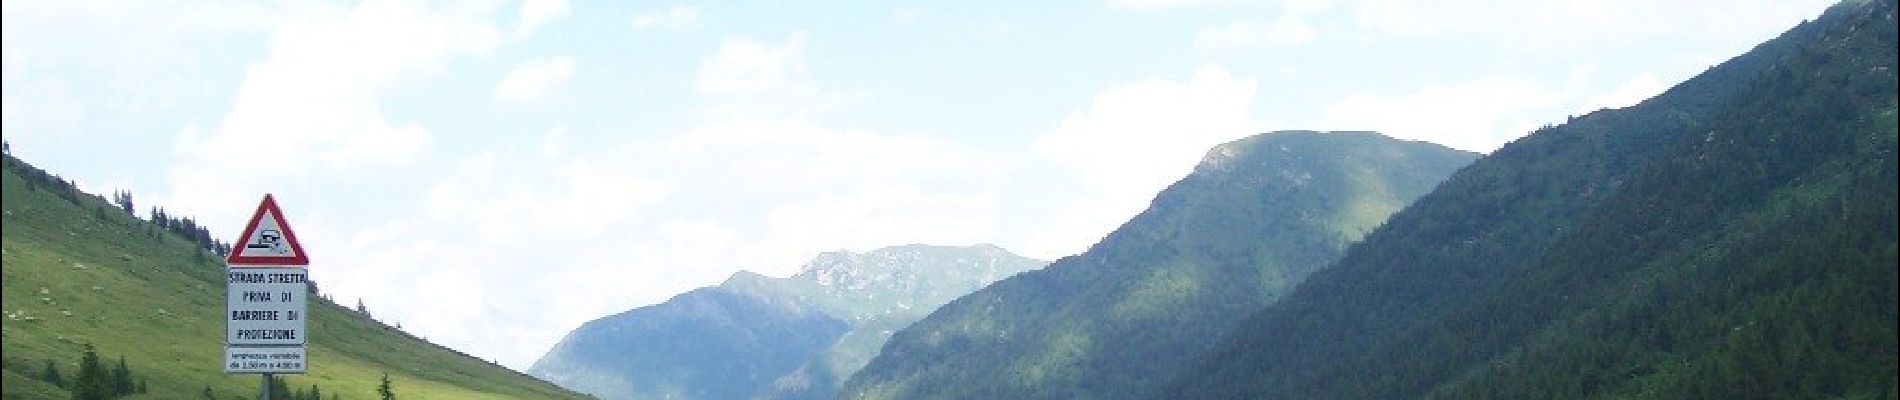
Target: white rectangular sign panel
265 306
257 360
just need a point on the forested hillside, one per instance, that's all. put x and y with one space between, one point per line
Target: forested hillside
1734 237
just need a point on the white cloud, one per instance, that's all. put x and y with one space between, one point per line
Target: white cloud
1481 114
535 78
747 78
1135 139
619 224
1238 35
66 62
1564 24
310 108
814 188
744 67
1642 87
1162 4
876 215
616 225
536 13
676 18
906 17
1476 115
807 188
586 198
514 226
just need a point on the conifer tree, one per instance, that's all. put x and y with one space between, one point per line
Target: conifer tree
385 390
92 381
122 379
51 375
280 389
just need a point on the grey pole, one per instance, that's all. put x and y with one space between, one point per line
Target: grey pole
264 388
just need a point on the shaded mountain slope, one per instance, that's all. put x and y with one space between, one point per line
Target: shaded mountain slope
1733 237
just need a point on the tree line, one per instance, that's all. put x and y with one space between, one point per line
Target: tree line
93 381
185 227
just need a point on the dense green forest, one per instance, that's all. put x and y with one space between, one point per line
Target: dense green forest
1253 219
1734 237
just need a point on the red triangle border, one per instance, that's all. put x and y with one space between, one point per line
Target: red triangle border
237 260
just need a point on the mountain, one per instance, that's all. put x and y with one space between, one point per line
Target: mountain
1733 237
80 271
1253 219
759 337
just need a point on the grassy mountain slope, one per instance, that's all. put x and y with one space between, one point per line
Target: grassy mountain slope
1255 217
78 272
1733 237
760 337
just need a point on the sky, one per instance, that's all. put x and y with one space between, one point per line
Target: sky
491 174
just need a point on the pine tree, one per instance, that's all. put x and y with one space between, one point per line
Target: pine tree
209 395
315 394
124 200
122 379
92 382
51 375
387 392
280 389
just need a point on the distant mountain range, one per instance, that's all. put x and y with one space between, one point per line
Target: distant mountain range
760 337
1253 219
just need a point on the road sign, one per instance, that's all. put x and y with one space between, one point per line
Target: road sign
267 240
265 360
265 306
266 297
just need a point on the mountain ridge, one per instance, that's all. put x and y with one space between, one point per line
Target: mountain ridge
1256 216
787 337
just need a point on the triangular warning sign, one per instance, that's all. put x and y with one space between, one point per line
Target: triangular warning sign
267 240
